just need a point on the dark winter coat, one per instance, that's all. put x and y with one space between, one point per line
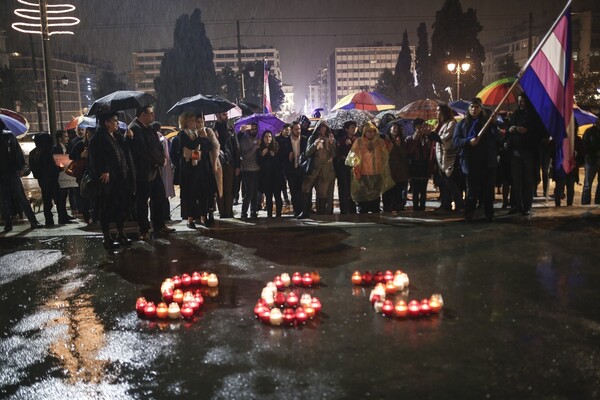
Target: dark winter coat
147 152
482 156
229 145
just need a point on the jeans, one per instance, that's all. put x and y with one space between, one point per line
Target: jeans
250 179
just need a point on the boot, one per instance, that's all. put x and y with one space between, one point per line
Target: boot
108 242
321 206
278 208
123 239
306 206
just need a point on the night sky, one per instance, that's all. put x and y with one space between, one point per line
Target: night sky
305 32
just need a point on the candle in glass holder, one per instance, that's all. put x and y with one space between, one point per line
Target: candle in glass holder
271 286
297 279
167 295
435 302
414 308
307 280
289 316
259 308
269 301
387 308
178 296
196 278
162 310
267 292
388 276
204 278
401 309
316 278
356 278
177 281
212 281
398 282
278 283
276 318
279 299
188 296
140 304
316 304
367 277
301 316
378 277
187 311
390 288
167 284
195 305
198 297
310 312
265 316
305 299
186 280
174 311
378 305
425 308
291 299
150 310
285 278
405 279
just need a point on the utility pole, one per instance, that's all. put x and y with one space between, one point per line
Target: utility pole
240 71
47 69
38 96
530 42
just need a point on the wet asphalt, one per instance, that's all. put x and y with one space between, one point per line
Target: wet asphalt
520 319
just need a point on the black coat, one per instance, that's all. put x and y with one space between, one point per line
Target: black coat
42 162
11 155
271 179
482 156
147 152
285 149
229 145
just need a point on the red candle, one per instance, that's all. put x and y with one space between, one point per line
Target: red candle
414 308
316 304
279 299
195 305
177 281
316 278
162 311
265 316
367 277
198 297
375 298
196 278
307 280
297 279
378 277
388 276
186 280
401 309
356 278
150 310
289 316
390 288
167 295
310 312
140 305
425 308
388 308
278 283
259 308
292 299
301 316
187 311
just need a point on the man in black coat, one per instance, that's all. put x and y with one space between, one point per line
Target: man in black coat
12 162
291 149
46 172
148 158
61 147
230 162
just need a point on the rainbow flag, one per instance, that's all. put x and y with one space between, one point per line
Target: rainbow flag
548 82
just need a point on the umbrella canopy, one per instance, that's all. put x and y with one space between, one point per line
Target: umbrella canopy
15 126
426 109
369 101
249 108
87 122
120 100
583 117
200 103
459 106
232 113
337 118
406 124
264 121
492 94
74 122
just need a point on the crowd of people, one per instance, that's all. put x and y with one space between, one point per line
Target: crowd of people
130 174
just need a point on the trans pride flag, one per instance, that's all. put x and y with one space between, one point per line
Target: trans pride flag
547 80
266 91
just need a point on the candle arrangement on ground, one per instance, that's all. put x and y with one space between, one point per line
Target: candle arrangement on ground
389 287
182 297
282 303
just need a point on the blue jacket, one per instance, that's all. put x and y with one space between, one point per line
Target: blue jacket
482 156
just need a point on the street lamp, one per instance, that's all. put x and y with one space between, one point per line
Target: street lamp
62 81
458 69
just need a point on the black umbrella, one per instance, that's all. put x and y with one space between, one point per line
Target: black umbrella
205 104
121 100
249 108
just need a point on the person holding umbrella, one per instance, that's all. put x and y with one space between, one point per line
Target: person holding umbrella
189 180
12 162
149 158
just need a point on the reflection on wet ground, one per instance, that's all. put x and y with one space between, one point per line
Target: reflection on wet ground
520 317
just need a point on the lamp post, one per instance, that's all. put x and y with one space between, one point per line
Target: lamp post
62 81
458 69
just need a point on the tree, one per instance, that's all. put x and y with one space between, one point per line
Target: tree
187 69
15 87
385 84
403 76
254 86
454 38
507 67
587 88
423 64
108 82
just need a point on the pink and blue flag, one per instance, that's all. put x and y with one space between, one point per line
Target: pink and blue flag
266 91
548 82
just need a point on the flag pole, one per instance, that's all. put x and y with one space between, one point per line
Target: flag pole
529 61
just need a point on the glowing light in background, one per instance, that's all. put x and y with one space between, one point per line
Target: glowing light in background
54 18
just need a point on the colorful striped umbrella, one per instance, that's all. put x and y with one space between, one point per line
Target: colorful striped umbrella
369 101
426 109
492 94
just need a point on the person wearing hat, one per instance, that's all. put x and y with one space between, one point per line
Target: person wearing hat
478 153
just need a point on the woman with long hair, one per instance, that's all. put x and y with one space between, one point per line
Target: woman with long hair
478 158
189 180
211 173
271 173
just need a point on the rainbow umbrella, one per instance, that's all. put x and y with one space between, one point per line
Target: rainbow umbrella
369 101
426 109
492 94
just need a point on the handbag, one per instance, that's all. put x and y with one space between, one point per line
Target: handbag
89 188
76 168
